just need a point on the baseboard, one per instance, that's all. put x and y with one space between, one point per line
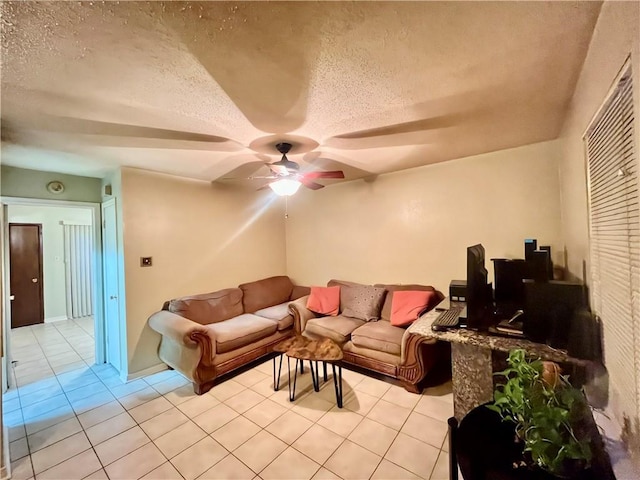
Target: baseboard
147 371
5 470
56 319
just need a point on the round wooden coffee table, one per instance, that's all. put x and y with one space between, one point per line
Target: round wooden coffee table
302 348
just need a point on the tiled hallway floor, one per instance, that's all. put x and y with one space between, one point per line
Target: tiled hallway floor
47 349
87 423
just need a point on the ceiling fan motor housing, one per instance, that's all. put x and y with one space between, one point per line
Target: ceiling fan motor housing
283 147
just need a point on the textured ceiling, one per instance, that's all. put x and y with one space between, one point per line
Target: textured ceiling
205 89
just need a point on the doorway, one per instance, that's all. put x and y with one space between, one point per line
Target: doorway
26 274
114 332
68 334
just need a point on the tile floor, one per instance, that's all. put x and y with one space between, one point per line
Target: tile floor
86 423
47 349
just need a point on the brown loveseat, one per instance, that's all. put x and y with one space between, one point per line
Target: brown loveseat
207 335
376 345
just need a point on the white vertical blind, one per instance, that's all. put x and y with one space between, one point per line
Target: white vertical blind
615 242
78 241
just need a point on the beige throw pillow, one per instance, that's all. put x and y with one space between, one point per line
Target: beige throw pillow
362 301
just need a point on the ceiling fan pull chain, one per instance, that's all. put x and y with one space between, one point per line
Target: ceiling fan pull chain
286 207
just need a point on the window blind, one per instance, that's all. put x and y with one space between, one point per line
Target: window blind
615 242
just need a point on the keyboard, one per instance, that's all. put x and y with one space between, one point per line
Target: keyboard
447 319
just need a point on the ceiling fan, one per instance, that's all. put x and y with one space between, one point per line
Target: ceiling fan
287 177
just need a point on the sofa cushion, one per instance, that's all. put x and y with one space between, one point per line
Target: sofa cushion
241 330
209 307
278 313
362 301
380 336
324 300
265 293
385 313
342 283
337 328
407 305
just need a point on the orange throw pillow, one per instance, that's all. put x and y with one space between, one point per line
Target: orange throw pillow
406 305
324 300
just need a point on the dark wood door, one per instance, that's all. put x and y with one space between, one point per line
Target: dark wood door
25 257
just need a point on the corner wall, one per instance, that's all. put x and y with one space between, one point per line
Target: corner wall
202 238
414 226
616 37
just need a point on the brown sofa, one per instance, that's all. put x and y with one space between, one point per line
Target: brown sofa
207 335
376 345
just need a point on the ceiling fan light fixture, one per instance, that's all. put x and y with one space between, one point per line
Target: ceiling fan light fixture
285 187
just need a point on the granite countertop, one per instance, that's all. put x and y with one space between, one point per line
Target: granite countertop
422 327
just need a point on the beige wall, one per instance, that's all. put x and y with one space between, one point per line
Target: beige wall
20 182
415 225
616 37
201 237
55 305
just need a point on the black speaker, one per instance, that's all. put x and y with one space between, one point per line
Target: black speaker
538 266
549 310
547 248
530 246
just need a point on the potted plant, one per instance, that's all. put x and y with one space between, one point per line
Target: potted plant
548 415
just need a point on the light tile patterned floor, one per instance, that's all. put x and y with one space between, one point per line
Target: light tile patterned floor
47 349
86 423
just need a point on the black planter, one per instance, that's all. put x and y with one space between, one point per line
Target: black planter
487 449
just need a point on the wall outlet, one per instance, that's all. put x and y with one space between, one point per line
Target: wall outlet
145 261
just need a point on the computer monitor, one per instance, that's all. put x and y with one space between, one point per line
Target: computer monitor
509 287
479 295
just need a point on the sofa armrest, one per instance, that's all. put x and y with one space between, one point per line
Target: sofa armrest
301 314
185 333
408 344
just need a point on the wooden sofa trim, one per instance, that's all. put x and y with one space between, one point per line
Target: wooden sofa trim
206 375
417 362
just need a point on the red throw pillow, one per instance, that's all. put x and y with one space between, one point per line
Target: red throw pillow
406 305
324 300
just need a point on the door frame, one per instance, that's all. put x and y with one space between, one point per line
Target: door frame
119 265
97 286
40 263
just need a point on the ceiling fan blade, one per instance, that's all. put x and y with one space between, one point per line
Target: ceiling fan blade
264 187
310 184
278 169
318 161
246 166
329 174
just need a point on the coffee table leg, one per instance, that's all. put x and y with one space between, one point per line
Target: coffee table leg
315 376
301 367
292 391
276 380
324 368
337 383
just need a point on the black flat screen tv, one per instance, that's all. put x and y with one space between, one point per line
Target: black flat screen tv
479 294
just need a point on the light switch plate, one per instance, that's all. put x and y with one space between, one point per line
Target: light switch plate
145 261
